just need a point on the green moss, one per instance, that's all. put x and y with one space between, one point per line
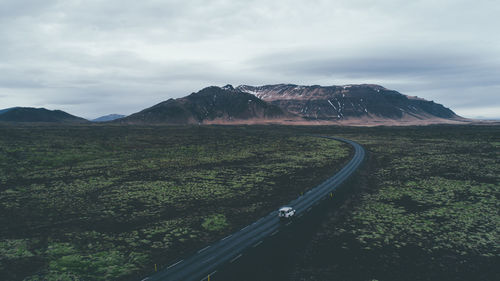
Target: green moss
215 222
14 249
86 190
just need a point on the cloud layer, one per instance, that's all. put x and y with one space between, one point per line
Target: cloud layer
92 58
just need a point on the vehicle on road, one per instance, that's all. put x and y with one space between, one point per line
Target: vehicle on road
205 262
286 212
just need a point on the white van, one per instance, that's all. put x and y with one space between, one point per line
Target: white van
286 212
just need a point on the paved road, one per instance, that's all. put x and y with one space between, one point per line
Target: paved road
207 260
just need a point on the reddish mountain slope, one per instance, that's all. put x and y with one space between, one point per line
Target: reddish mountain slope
338 103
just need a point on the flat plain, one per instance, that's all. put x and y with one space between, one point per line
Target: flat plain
114 202
424 208
110 202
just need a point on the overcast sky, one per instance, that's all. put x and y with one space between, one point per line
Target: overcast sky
92 58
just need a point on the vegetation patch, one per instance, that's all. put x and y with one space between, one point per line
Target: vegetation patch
109 202
428 209
215 223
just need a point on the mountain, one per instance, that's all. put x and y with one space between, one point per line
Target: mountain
210 105
29 114
6 110
363 104
350 102
109 117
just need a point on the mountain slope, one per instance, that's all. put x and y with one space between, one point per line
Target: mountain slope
6 110
210 105
109 117
29 114
349 102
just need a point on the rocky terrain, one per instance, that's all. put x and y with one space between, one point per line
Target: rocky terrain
210 105
364 103
360 105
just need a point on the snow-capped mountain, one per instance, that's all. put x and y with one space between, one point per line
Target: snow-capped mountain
348 102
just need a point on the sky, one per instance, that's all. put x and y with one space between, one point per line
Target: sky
92 58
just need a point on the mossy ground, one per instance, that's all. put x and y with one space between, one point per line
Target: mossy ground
426 209
109 202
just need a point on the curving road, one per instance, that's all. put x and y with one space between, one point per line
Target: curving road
204 263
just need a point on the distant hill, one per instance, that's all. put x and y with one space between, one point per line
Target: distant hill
109 117
364 104
6 110
210 105
29 114
350 102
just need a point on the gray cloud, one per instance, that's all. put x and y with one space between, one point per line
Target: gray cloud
97 57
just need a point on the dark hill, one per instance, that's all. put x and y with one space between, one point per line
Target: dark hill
349 102
210 105
29 114
6 110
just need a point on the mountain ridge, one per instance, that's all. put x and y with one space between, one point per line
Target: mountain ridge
31 114
290 104
6 109
339 103
210 105
108 117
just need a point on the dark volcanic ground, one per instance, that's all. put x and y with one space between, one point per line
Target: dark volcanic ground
424 207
